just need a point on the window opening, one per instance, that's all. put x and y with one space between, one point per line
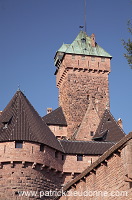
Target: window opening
79 157
19 144
42 147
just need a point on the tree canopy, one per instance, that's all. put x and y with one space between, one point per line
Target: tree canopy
128 46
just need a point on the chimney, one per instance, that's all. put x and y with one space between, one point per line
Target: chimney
119 122
92 40
49 110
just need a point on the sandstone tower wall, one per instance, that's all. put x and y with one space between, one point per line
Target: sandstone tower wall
79 79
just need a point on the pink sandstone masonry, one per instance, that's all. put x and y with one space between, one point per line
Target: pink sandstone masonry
28 169
80 78
110 180
72 165
59 131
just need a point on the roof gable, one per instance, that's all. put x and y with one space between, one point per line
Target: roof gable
24 123
56 117
108 129
88 124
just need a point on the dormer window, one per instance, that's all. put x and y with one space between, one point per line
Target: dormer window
83 40
19 144
6 122
109 120
5 126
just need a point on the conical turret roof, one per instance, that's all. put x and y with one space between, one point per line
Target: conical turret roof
20 121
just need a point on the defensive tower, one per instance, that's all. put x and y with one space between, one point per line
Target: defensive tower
82 69
31 157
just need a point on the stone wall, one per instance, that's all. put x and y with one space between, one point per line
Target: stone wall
72 165
59 131
31 153
79 79
25 182
108 178
75 94
31 169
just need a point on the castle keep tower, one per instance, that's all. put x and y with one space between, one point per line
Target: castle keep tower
82 69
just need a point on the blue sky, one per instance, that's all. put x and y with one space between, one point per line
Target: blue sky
31 31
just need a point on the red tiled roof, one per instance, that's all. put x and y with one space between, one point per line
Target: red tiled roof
20 121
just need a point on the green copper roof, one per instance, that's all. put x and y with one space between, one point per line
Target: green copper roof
82 45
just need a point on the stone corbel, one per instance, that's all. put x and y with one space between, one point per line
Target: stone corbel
1 165
127 161
42 167
23 164
34 165
12 164
127 179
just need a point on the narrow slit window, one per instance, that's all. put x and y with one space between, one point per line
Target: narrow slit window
92 133
42 147
63 157
56 154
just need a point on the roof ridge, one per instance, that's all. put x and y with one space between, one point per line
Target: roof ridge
104 142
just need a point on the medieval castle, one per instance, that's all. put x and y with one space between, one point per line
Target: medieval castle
78 147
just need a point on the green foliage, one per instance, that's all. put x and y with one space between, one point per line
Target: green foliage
128 46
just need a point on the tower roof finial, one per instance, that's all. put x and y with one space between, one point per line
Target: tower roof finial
18 89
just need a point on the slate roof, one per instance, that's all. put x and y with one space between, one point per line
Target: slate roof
56 117
20 121
81 46
108 129
85 147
